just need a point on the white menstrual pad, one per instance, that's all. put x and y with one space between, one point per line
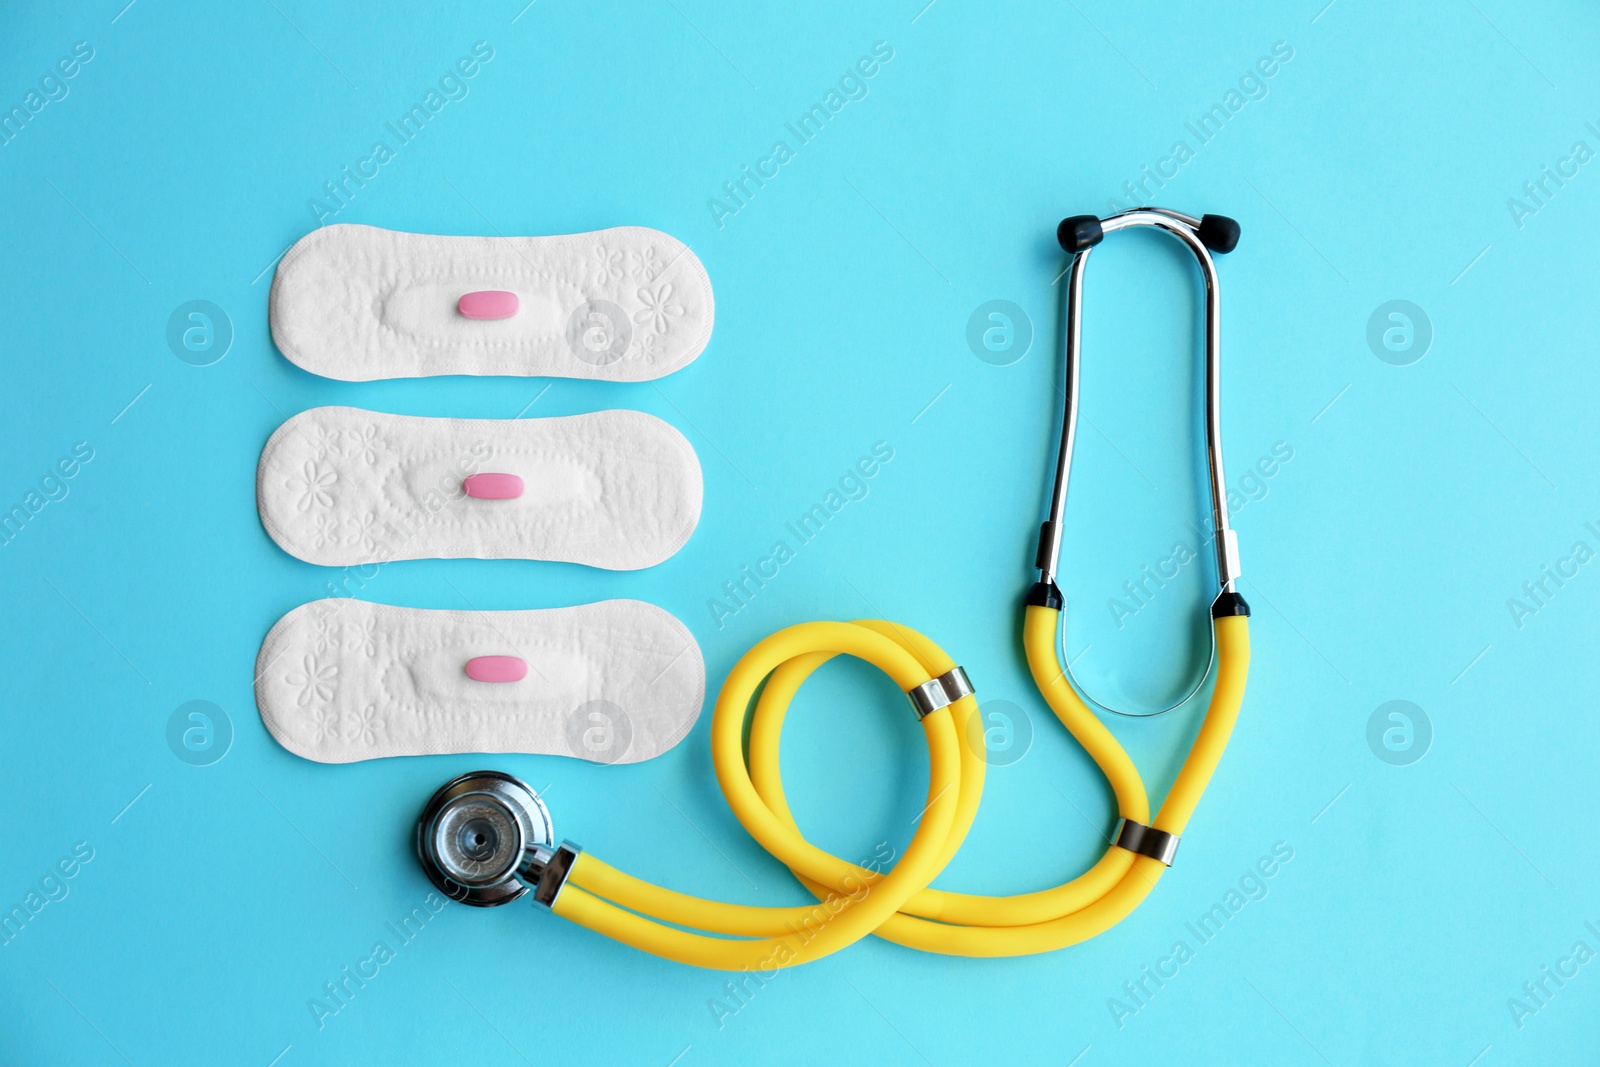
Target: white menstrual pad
342 680
357 303
620 490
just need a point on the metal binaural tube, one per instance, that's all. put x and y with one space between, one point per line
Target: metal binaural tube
1185 229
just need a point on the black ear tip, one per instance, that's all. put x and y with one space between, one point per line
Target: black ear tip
1219 233
1079 233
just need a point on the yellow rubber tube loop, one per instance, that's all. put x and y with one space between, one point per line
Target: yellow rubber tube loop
899 906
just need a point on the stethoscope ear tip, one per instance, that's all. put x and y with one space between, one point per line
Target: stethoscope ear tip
1079 233
1218 233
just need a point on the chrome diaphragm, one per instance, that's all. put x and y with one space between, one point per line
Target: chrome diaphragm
477 832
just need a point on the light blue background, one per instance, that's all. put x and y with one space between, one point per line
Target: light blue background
1379 560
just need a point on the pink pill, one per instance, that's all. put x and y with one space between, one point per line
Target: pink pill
488 304
497 669
493 486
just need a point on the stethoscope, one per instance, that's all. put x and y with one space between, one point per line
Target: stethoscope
486 839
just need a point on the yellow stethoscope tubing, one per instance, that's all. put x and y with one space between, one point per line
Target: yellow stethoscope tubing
900 906
858 913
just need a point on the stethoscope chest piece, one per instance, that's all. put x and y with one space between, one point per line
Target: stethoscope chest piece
477 832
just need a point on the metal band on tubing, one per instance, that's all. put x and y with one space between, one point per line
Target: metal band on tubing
940 692
1144 840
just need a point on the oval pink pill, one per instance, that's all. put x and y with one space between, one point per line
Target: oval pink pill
488 304
493 486
497 669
